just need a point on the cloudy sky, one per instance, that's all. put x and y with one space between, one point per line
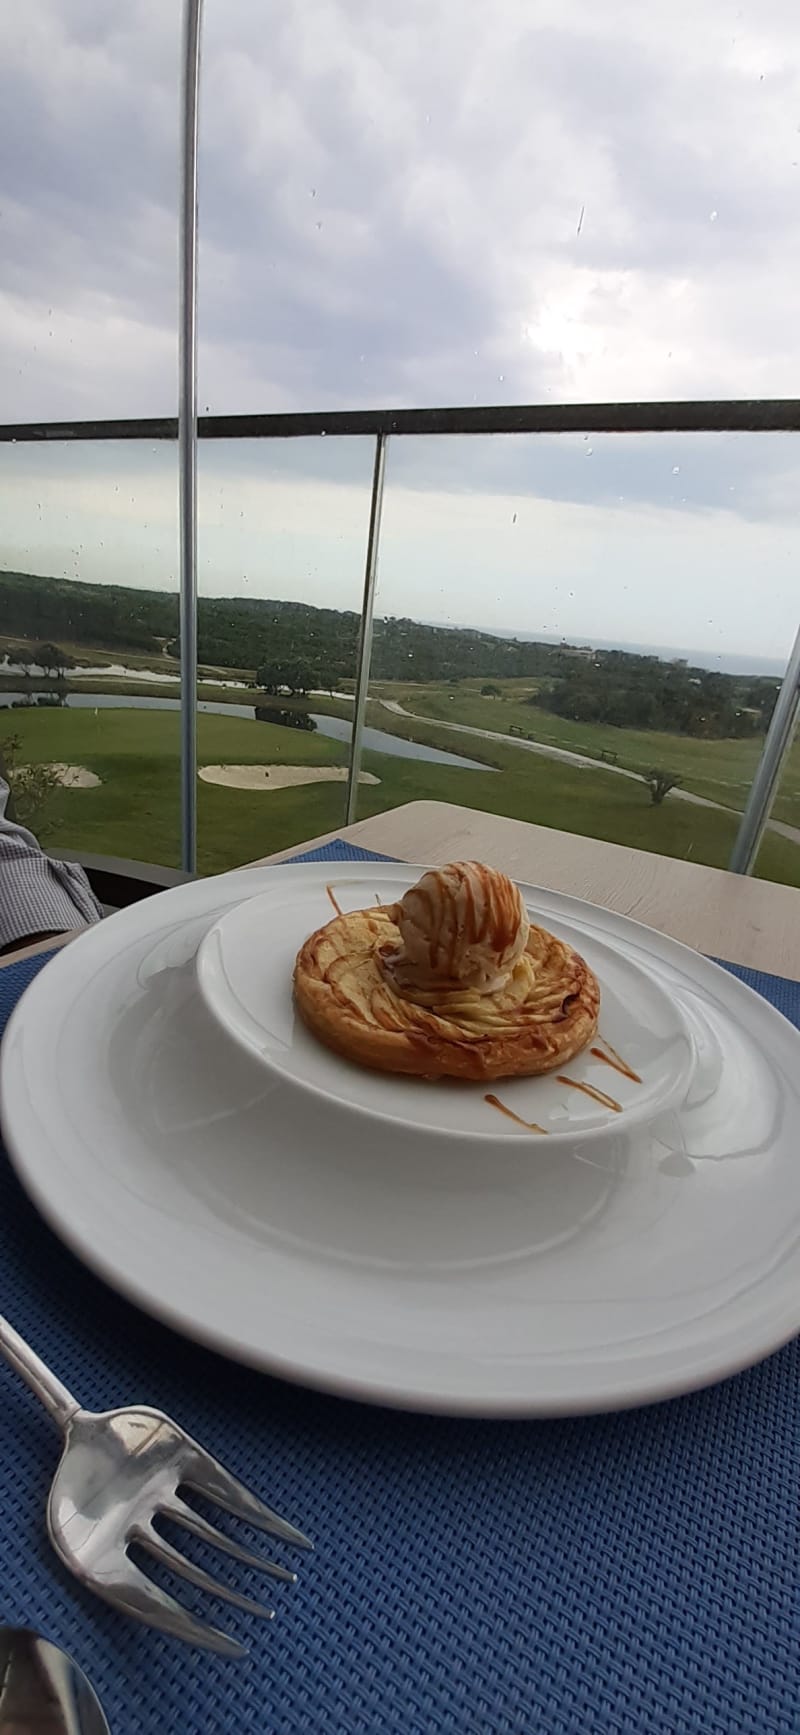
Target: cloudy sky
440 202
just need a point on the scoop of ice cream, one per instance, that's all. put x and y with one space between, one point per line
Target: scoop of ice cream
461 926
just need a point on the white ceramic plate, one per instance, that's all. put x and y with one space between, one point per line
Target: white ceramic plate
173 1125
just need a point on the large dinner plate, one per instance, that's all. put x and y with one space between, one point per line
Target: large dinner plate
400 1241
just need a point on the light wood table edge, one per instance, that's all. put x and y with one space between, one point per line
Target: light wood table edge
53 944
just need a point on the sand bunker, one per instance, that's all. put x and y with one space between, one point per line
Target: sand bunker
277 776
75 776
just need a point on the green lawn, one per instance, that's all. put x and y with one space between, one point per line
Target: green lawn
135 811
720 770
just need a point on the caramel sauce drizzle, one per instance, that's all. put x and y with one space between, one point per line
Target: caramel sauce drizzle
589 1090
612 1058
337 906
530 1126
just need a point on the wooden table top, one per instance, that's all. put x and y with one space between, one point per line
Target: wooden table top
747 921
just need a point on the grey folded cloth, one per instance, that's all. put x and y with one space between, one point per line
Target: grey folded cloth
37 895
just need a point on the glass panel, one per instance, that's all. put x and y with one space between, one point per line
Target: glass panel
602 615
282 543
88 612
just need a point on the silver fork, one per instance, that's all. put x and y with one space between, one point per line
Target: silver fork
119 1471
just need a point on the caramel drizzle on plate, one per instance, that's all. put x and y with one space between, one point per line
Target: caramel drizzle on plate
589 1090
530 1126
612 1058
337 906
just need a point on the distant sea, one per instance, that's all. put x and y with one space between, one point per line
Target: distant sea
722 662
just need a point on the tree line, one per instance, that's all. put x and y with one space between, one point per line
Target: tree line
671 698
110 616
50 658
294 647
251 632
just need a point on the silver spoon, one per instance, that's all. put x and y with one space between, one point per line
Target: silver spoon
42 1691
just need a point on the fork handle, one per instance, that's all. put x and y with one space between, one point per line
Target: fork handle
58 1402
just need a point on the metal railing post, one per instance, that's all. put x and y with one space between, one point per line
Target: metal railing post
769 768
365 631
187 428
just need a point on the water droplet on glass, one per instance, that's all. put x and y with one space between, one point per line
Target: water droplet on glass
712 216
319 225
514 519
501 377
589 451
312 192
676 469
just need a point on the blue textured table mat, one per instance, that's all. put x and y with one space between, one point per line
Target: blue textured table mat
635 1574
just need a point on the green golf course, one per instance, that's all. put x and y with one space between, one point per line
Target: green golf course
134 811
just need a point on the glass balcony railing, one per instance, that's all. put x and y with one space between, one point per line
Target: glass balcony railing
522 610
89 696
277 519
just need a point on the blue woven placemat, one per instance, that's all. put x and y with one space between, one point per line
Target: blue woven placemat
635 1574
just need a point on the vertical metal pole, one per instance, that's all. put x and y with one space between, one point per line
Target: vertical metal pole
769 768
187 428
365 632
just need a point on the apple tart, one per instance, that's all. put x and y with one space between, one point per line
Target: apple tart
451 982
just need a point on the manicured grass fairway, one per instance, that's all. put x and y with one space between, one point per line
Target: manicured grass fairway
135 811
720 770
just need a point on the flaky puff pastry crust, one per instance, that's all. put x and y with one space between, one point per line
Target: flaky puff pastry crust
543 1016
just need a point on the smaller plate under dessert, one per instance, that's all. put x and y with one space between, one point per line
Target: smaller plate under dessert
637 1066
